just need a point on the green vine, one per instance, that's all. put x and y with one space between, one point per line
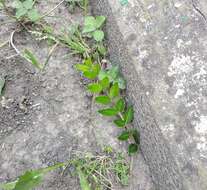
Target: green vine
107 86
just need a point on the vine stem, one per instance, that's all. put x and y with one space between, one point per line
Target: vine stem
121 116
131 164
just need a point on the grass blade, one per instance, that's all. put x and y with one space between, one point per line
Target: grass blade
8 186
32 59
83 180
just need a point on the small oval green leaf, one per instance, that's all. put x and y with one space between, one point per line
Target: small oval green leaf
102 50
88 28
33 15
103 100
88 62
129 115
114 91
17 4
102 74
113 73
136 136
89 24
124 136
105 83
21 12
121 83
98 35
99 21
89 75
96 68
94 88
93 71
82 67
89 20
108 112
133 148
120 105
28 4
119 123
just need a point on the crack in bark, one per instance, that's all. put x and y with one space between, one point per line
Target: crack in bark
198 10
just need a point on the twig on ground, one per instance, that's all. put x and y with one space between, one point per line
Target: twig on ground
12 43
50 11
12 56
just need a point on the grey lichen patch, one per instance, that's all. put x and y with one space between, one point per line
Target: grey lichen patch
169 54
190 80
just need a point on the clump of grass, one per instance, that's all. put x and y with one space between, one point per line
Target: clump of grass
29 56
97 172
74 41
103 170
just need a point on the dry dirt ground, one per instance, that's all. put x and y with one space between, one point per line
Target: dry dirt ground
46 116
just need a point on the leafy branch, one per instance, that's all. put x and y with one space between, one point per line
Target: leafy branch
106 87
